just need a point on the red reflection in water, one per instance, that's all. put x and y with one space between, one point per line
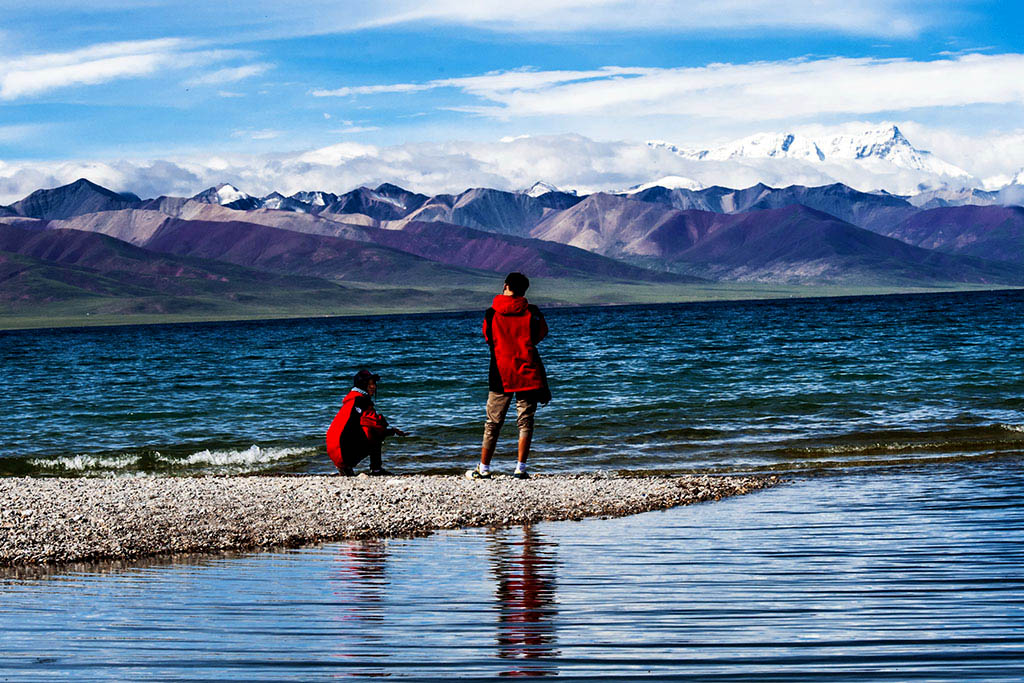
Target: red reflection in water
524 570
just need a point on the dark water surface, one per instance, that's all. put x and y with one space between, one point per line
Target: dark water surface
913 573
749 386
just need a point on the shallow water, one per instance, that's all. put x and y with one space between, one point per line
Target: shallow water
907 574
801 385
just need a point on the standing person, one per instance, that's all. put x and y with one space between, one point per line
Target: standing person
512 327
358 430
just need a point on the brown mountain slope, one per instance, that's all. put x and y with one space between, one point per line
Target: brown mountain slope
59 265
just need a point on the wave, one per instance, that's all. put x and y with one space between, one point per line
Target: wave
147 462
84 463
253 455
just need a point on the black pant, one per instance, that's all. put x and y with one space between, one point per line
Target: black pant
354 451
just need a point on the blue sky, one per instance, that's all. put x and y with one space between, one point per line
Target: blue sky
139 81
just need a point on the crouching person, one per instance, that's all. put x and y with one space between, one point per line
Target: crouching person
358 430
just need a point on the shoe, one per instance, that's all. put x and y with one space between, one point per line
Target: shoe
380 473
520 474
347 472
477 474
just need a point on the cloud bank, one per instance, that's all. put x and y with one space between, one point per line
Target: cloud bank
793 90
567 161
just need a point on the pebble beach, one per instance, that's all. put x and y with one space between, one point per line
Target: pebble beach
59 520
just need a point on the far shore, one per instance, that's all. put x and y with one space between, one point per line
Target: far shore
60 520
550 294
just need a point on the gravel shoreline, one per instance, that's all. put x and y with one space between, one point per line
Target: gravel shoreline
73 520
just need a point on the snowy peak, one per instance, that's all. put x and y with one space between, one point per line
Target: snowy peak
276 200
885 145
541 188
761 146
669 182
227 195
316 199
888 144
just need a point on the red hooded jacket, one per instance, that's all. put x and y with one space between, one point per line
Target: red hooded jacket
351 429
513 328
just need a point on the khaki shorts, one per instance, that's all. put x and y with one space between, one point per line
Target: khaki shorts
497 408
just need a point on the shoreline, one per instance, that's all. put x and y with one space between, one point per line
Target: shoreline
58 521
20 322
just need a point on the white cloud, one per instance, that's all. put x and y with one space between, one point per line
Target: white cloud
265 134
996 155
798 89
272 19
232 75
36 74
891 18
350 130
516 162
340 153
374 90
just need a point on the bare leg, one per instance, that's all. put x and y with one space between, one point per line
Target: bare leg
524 446
486 454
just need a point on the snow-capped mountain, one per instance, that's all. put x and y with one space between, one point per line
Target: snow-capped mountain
539 188
276 200
316 199
760 146
875 158
229 196
885 144
669 182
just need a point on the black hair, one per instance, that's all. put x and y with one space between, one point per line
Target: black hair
363 377
518 283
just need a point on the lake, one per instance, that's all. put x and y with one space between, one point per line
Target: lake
893 552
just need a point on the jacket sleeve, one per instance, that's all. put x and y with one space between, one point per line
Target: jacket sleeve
488 317
373 424
538 325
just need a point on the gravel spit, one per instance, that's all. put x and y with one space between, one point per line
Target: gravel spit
73 520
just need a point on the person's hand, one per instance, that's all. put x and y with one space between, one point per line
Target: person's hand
399 432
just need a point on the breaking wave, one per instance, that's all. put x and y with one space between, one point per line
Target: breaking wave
85 463
253 455
254 459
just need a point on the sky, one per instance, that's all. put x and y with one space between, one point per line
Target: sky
161 97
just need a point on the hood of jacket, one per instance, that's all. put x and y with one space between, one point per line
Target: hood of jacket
509 305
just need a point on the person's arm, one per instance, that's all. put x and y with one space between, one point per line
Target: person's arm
538 325
488 317
374 422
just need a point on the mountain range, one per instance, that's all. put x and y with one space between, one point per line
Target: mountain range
84 240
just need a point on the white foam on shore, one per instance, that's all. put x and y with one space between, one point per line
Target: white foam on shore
1013 428
253 455
87 462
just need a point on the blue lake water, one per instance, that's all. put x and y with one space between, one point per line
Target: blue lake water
788 386
894 552
911 574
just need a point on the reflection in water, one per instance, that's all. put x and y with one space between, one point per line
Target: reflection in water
524 572
361 584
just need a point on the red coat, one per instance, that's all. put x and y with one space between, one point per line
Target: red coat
513 328
352 429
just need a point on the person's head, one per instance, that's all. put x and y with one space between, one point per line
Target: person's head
516 284
366 380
